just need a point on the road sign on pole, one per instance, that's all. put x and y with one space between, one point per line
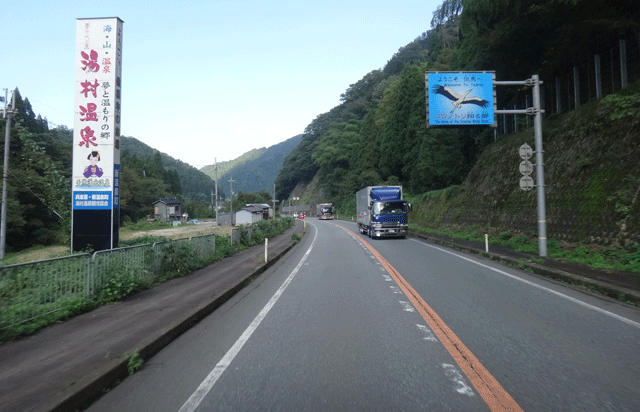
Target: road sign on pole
526 183
526 167
525 151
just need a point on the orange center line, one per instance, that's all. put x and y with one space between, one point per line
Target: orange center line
495 396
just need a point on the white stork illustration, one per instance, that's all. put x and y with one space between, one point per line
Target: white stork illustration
457 99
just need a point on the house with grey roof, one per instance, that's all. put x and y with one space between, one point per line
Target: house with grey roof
167 210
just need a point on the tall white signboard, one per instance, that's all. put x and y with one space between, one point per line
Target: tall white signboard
96 134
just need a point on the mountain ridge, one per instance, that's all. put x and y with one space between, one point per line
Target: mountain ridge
255 170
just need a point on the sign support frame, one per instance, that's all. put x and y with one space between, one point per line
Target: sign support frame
535 111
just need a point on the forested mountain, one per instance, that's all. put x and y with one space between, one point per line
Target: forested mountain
255 170
226 166
378 133
39 186
194 183
39 181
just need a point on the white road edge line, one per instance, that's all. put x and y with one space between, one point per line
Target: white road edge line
196 398
562 295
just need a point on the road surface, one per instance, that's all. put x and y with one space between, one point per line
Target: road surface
347 323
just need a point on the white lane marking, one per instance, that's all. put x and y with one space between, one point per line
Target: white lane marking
428 333
452 373
395 289
562 295
387 278
407 306
196 398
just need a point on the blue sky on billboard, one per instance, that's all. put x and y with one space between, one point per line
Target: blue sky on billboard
460 98
211 78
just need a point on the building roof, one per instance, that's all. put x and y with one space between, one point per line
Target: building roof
253 209
168 201
260 205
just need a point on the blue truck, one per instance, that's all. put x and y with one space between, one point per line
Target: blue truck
382 212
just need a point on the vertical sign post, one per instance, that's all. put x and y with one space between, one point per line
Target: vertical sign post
469 99
96 135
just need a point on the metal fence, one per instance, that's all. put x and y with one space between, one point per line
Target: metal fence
31 290
612 65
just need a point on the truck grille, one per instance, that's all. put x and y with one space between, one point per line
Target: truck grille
391 221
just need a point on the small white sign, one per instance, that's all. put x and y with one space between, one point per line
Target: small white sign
526 167
526 183
525 151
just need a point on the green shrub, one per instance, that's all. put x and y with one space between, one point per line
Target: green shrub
179 260
134 362
120 282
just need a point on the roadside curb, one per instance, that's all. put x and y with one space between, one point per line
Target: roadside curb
82 394
572 280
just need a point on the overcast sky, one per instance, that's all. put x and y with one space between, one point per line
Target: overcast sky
209 79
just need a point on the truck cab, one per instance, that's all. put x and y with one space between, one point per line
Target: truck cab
388 219
382 212
325 211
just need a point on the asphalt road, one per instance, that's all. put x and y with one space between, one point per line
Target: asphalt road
349 323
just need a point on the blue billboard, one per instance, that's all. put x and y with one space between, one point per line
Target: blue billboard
460 98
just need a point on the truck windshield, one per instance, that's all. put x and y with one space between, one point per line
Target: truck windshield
389 208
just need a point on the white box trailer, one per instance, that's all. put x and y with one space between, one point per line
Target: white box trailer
382 212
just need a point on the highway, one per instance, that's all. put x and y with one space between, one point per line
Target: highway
347 323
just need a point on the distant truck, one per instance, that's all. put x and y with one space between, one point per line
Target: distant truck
324 211
382 212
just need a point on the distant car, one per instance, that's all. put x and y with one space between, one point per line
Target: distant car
295 214
194 221
302 216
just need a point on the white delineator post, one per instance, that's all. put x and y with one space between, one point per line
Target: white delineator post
266 248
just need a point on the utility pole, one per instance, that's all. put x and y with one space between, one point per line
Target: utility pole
274 200
231 199
215 167
7 112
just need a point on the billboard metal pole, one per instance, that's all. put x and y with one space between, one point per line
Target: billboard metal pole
451 91
535 111
537 130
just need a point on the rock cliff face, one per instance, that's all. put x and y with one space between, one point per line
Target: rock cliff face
591 173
